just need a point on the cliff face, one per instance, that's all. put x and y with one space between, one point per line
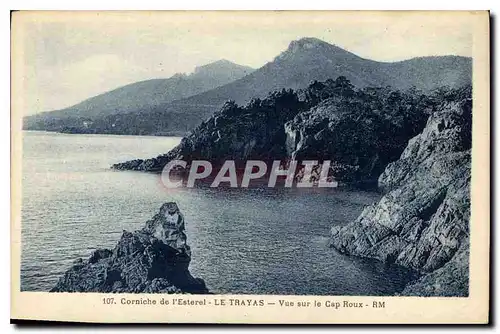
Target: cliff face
423 220
154 259
359 134
178 104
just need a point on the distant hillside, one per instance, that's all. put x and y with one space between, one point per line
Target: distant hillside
140 96
305 60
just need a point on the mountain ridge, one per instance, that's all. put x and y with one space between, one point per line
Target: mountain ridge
304 61
218 95
146 93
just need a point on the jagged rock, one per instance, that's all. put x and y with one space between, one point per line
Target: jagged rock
447 131
168 226
451 280
423 221
154 259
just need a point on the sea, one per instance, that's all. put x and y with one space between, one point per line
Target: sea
243 240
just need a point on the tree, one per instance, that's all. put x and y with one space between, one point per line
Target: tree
343 87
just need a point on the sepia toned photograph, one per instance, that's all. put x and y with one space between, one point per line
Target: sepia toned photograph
250 161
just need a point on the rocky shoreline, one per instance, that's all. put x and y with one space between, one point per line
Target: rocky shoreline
422 222
154 259
416 147
359 130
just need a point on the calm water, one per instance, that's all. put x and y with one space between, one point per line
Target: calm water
242 240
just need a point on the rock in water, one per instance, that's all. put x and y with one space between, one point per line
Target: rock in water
423 220
154 259
169 227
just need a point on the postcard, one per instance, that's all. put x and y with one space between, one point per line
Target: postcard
264 167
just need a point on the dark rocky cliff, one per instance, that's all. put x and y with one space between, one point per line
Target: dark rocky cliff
423 220
359 130
255 131
154 259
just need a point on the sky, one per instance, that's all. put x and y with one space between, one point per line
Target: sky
66 57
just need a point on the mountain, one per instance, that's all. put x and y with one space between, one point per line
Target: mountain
141 96
310 59
304 61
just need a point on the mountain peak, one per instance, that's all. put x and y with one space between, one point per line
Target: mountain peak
313 41
222 64
312 45
307 43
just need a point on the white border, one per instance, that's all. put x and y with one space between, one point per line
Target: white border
146 4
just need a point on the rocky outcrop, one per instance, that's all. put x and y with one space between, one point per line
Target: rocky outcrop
154 259
254 131
358 131
423 220
449 280
447 131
